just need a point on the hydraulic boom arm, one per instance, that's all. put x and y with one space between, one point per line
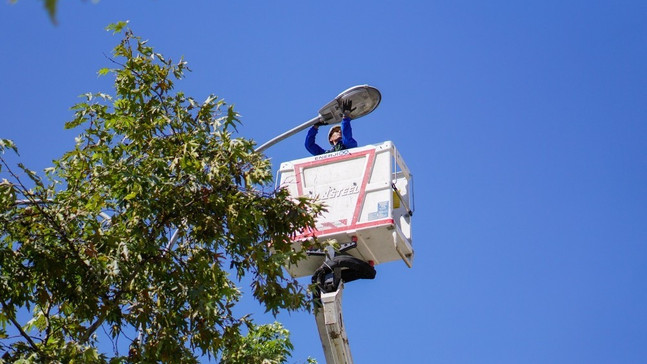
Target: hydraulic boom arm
330 323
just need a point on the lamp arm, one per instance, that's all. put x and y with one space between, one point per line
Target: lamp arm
289 133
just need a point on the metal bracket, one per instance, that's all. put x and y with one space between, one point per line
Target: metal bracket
343 247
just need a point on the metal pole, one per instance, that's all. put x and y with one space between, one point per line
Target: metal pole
290 132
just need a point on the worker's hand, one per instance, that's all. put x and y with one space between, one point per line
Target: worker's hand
347 107
318 124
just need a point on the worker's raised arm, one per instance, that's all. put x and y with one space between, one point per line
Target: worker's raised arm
347 134
310 143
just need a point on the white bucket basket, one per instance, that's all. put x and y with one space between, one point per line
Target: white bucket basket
368 192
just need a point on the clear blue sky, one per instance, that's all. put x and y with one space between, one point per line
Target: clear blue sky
524 123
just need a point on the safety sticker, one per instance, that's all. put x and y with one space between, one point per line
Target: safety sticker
382 211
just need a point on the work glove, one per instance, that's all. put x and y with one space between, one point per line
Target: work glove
347 107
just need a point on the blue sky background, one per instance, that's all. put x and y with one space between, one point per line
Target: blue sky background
524 123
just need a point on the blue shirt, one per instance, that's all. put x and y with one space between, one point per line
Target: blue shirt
347 140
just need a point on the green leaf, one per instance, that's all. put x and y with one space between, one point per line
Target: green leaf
7 195
8 143
50 6
90 355
117 27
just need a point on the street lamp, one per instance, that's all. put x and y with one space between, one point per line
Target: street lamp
365 99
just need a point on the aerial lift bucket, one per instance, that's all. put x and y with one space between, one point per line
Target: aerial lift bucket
368 192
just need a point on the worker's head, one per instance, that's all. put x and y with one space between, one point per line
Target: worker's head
334 135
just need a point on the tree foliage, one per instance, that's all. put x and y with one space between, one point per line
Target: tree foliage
267 344
145 229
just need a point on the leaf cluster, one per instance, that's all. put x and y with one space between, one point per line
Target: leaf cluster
146 228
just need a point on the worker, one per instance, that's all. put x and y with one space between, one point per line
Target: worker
340 137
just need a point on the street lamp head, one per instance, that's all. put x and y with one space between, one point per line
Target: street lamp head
365 99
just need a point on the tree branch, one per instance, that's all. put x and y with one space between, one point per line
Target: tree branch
11 317
115 301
